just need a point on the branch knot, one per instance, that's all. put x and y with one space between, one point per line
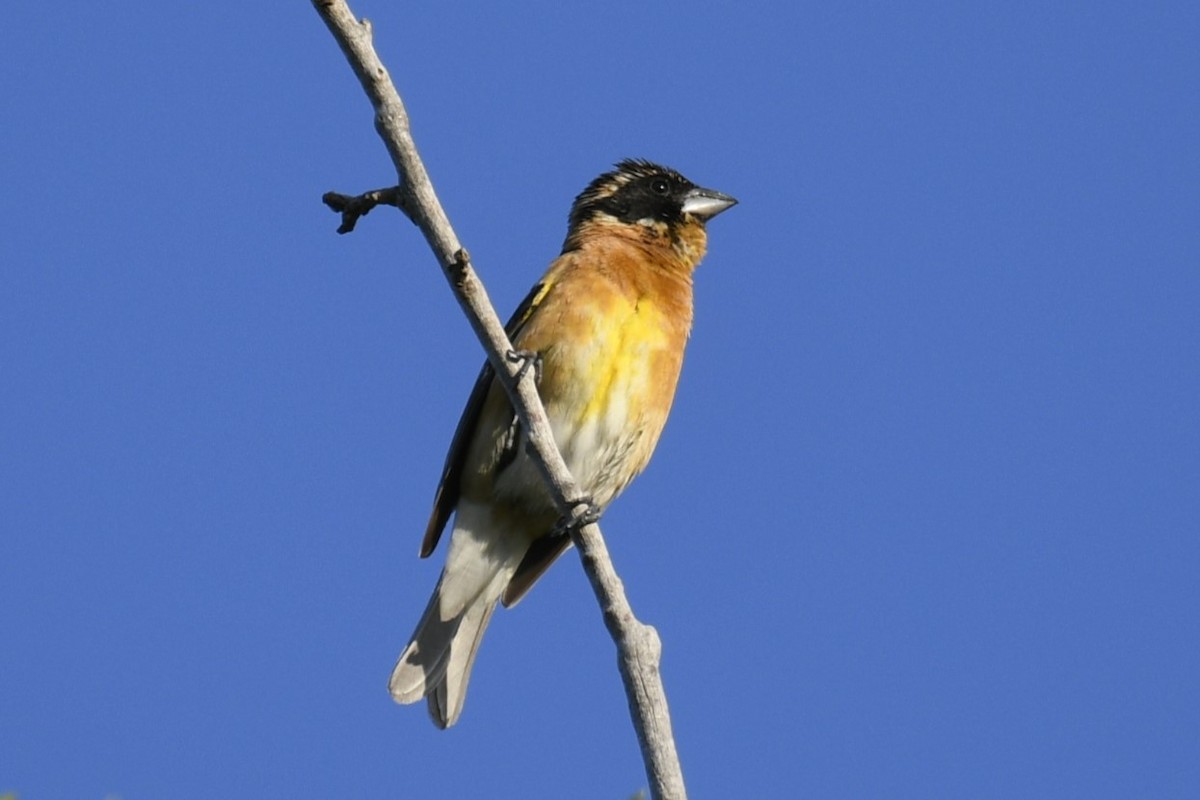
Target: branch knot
459 267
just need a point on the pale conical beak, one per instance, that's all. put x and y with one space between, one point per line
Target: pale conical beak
706 203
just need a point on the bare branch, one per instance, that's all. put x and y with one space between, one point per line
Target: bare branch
353 207
638 646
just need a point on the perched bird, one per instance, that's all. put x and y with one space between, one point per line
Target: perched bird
607 325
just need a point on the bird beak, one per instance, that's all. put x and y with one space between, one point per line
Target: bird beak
706 203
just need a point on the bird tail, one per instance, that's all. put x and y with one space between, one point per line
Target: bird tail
437 662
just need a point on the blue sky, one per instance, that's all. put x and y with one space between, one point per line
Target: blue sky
923 523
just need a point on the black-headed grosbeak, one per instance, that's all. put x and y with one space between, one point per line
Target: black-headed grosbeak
607 324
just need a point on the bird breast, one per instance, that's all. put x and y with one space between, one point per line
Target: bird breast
608 379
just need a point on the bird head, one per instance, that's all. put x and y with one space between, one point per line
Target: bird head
646 199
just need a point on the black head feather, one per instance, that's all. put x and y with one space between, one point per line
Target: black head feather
637 189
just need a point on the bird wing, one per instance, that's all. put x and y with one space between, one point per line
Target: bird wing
446 497
541 554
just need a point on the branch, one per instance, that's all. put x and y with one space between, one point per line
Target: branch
638 646
351 208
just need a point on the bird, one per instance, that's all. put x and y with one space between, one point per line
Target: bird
605 329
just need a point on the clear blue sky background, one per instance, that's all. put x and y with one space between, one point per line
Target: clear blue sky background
923 523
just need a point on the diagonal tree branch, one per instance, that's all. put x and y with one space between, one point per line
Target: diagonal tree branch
638 646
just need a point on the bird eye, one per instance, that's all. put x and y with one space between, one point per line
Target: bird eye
661 186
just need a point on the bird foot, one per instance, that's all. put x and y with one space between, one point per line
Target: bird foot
584 511
526 358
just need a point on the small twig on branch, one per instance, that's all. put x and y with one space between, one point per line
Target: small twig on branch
351 207
638 645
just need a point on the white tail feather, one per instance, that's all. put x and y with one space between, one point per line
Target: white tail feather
437 662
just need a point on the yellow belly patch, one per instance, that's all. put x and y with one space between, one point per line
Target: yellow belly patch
619 366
